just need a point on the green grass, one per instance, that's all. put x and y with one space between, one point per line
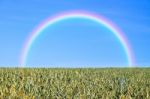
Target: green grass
115 83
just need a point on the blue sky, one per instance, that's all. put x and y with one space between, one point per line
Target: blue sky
74 42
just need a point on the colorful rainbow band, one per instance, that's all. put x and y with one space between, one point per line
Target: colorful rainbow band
71 15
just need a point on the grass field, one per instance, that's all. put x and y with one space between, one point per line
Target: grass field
127 83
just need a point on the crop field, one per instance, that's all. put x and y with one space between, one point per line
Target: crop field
98 83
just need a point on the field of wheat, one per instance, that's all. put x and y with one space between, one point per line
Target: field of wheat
127 83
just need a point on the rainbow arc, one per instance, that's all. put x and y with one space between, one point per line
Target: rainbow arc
74 15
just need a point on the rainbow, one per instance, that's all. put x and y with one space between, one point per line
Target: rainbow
72 15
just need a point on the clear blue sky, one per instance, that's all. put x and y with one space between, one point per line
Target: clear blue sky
74 42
